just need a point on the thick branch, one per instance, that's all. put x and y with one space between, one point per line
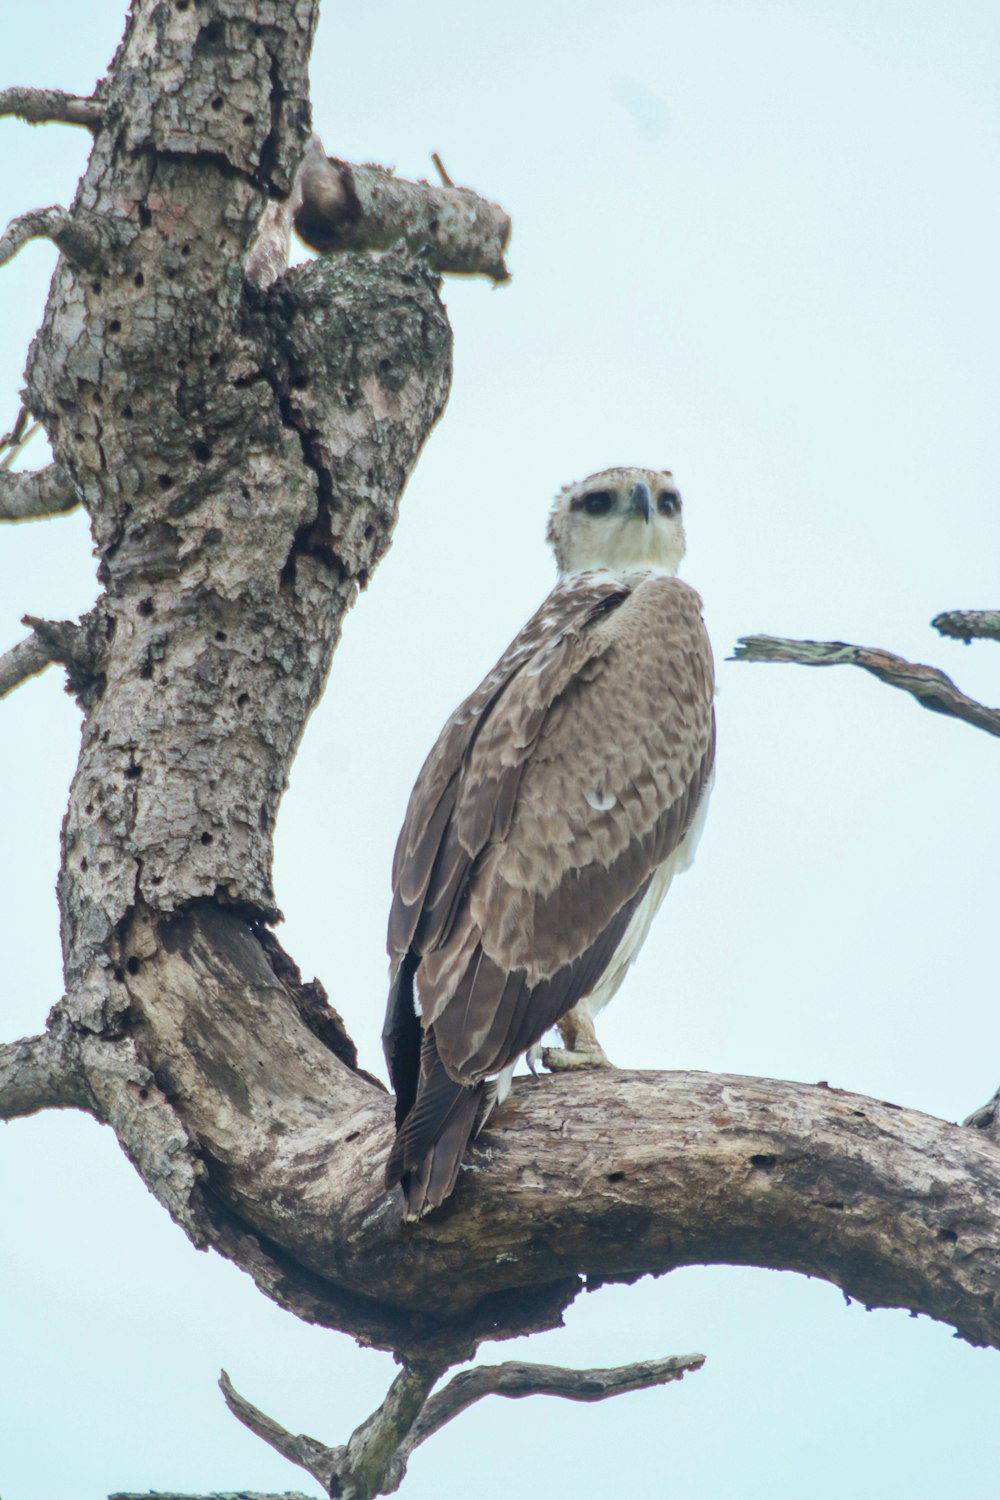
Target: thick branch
30 494
26 659
50 106
40 1072
969 624
931 688
346 207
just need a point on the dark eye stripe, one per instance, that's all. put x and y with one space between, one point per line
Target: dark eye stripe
595 502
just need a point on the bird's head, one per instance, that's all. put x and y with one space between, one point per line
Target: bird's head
623 519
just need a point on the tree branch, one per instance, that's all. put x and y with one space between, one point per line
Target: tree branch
969 624
50 106
31 494
216 1495
519 1380
931 687
345 207
77 235
26 659
374 1459
40 1072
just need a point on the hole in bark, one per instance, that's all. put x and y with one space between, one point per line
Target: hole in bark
213 360
352 1137
220 635
95 287
89 809
146 670
369 532
947 1234
132 773
120 975
217 103
615 1177
143 1095
248 119
127 413
145 217
243 700
138 279
299 381
146 607
833 1204
185 249
202 452
133 965
183 4
85 866
262 817
765 1163
211 32
206 838
114 326
164 481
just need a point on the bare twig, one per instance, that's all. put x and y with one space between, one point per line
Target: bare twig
15 437
16 446
30 494
50 106
26 659
348 207
441 170
969 624
216 1495
77 238
40 1072
931 688
518 1380
318 1460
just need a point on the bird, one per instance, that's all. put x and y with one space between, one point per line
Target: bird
546 825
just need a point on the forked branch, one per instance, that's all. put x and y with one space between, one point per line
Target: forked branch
932 688
374 1459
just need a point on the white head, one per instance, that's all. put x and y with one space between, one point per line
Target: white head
623 519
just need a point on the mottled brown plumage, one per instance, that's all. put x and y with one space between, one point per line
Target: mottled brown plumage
553 796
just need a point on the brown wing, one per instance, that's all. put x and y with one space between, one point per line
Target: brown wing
535 827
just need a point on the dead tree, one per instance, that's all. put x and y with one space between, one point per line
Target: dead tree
239 435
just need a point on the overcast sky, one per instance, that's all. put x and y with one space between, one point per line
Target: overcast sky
756 243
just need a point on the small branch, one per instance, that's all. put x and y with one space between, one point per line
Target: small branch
969 624
77 237
50 107
319 1461
931 688
26 659
40 1072
216 1495
347 207
517 1380
31 494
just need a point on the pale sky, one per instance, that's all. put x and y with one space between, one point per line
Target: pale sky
756 243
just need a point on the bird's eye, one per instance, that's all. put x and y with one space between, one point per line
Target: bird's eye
598 502
668 504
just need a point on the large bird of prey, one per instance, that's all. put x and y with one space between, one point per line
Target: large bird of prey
547 823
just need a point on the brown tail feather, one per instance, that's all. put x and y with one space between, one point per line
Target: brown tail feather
431 1140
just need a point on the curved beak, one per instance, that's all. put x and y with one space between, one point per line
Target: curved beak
640 502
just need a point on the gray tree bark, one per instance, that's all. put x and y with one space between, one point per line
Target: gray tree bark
240 436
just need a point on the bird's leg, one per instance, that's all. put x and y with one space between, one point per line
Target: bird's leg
580 1048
